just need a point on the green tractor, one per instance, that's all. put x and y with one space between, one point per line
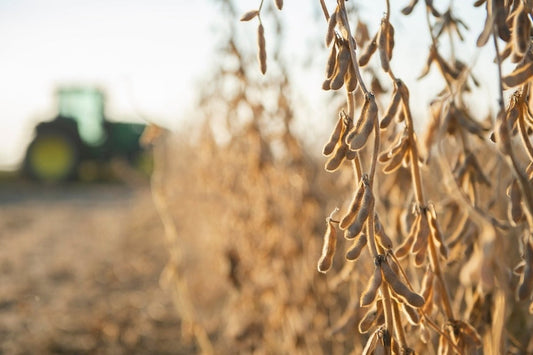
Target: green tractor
80 140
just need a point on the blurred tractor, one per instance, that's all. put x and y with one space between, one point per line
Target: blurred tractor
79 142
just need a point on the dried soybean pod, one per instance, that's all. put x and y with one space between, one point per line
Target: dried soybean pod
336 160
369 318
334 138
368 51
332 61
412 314
421 237
404 248
526 280
515 209
354 207
357 138
332 22
249 15
521 28
390 40
435 231
355 251
399 288
343 60
519 76
382 45
328 250
350 154
372 287
420 257
391 109
261 54
279 4
350 78
396 160
362 213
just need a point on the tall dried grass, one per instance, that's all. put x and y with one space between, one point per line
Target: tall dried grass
437 253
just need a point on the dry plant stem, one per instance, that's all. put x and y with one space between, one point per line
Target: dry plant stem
455 191
428 319
419 193
510 158
397 323
434 44
186 308
324 9
358 170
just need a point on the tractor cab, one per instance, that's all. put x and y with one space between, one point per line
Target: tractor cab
86 107
79 136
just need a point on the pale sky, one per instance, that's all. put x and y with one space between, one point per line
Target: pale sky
149 55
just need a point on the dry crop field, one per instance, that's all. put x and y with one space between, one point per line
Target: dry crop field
80 267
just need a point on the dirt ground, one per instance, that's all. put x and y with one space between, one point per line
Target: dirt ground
80 268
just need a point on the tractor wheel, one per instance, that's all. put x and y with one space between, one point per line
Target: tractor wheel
52 157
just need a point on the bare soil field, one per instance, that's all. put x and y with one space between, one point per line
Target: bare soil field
80 268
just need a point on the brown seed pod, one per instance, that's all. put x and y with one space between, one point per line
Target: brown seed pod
521 29
368 51
404 248
358 137
526 280
421 237
382 45
420 257
515 209
396 159
354 207
392 109
362 214
399 288
411 313
435 231
330 33
355 251
328 249
519 76
335 136
261 54
372 287
350 78
370 317
343 60
336 160
487 31
390 40
279 4
331 64
249 15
